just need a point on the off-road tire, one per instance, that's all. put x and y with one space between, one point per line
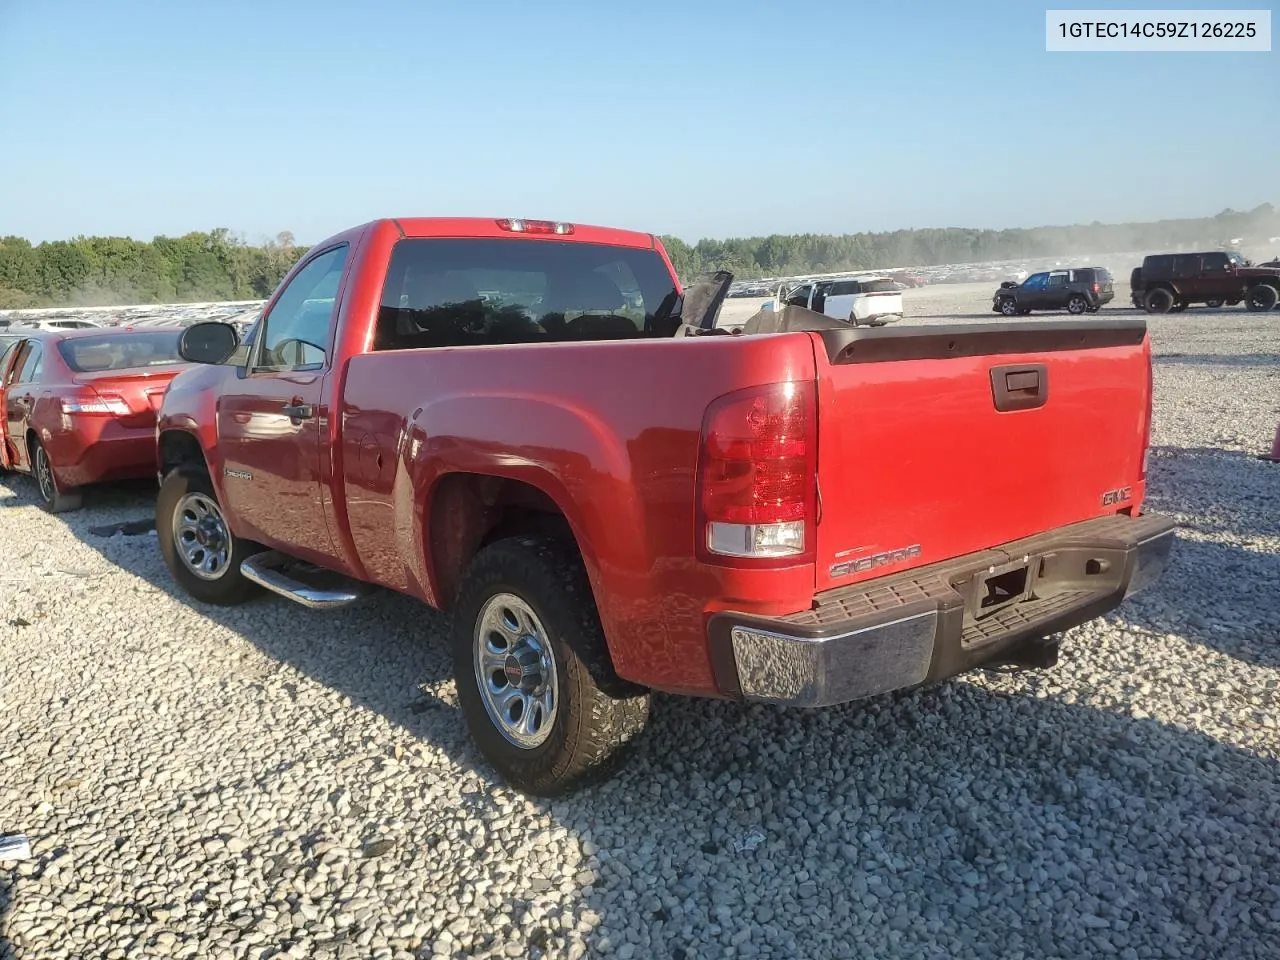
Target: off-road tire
1158 300
1261 297
1077 305
54 497
598 716
231 588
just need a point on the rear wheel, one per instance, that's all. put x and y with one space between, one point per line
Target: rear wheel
1077 305
53 496
196 543
1158 300
534 677
1262 297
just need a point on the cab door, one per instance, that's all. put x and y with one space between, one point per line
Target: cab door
1031 295
272 419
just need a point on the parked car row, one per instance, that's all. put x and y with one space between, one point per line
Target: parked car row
612 500
1165 283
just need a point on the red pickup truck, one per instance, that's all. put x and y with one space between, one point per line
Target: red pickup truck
531 426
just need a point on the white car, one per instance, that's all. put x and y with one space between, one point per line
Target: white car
870 300
79 324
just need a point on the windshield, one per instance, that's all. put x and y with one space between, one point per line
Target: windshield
120 351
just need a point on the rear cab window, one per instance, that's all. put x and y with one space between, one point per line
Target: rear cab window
484 292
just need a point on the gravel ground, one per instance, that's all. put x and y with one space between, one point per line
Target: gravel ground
275 782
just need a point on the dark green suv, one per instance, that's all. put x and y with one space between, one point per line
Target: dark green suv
1077 290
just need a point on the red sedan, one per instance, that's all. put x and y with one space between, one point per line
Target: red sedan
80 406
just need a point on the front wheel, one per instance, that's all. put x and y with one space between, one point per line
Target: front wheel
1009 307
535 682
1077 305
196 543
1158 300
54 497
1262 297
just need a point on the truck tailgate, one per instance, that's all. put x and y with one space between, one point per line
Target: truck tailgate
937 441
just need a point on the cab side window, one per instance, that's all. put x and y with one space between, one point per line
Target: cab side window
295 334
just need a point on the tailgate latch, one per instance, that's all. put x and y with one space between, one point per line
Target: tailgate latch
1019 386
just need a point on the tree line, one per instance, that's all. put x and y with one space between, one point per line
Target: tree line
107 271
103 271
781 255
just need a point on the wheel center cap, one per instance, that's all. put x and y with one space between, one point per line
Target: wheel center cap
523 667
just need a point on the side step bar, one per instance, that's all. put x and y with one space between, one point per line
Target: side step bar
266 570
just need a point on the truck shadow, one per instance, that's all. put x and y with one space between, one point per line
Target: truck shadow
1220 588
920 824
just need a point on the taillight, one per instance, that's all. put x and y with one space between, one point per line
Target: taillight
1096 286
757 472
535 226
95 403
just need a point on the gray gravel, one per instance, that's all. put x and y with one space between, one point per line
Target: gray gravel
275 782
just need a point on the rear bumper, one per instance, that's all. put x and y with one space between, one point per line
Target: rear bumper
122 455
928 624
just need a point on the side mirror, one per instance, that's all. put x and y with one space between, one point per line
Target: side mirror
210 341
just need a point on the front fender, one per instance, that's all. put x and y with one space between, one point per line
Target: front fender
190 407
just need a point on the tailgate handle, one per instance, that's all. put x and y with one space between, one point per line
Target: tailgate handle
1019 386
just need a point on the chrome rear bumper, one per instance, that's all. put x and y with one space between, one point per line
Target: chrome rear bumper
934 622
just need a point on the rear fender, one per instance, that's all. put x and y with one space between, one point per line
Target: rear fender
565 452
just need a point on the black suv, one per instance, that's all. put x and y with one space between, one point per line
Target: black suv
1169 282
1080 290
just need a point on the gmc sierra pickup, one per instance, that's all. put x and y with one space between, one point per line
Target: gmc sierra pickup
529 425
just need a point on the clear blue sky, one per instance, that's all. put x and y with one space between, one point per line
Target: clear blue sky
698 118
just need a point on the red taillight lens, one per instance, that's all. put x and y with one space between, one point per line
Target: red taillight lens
536 226
1096 286
757 471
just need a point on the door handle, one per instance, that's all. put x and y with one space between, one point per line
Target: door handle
1016 387
300 410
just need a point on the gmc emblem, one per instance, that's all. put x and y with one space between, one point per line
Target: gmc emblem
1116 496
